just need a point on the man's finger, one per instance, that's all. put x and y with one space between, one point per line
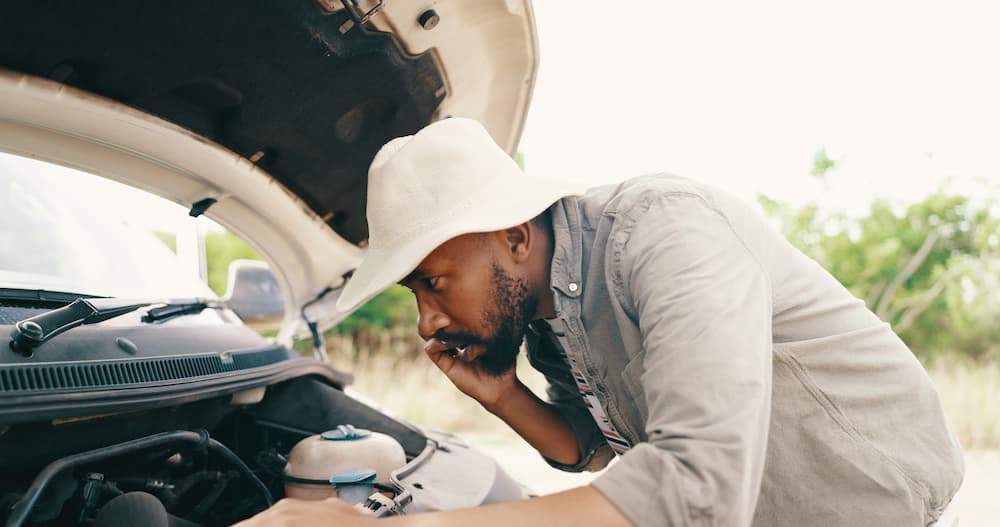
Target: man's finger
438 353
435 346
341 506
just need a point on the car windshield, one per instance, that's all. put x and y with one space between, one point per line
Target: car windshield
69 231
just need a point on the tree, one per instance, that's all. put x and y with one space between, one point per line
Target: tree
822 164
928 269
221 248
391 308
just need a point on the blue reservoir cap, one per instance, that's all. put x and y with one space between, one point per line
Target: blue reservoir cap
345 433
354 477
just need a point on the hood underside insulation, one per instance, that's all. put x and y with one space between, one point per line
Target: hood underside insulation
275 81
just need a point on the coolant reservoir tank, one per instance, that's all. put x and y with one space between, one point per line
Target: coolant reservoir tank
316 459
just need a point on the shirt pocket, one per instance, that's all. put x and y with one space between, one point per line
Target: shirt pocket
812 444
632 380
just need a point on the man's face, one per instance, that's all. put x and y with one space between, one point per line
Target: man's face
470 295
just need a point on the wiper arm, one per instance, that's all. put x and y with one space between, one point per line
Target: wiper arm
180 308
30 333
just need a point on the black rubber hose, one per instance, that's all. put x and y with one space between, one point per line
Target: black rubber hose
224 451
22 509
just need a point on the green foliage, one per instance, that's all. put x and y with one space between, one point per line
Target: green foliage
168 238
931 269
822 163
391 308
221 248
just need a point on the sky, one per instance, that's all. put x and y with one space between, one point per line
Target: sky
903 95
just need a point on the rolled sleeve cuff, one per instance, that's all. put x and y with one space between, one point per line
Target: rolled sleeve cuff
594 452
591 461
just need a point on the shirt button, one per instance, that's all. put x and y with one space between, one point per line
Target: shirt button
573 286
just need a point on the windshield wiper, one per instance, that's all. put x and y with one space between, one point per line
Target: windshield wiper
32 332
179 308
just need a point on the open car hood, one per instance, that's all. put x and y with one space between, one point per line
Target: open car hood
271 109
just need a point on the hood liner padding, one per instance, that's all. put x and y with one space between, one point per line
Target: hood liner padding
273 81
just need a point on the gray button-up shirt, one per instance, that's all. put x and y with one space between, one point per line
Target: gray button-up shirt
754 388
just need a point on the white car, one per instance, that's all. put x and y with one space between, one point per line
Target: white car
128 393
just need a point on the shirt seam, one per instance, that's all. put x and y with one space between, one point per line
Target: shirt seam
631 218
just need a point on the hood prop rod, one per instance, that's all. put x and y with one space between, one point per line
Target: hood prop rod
318 343
361 17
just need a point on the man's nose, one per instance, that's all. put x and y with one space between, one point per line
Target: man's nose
430 321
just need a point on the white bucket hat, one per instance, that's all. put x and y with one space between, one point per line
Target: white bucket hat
448 179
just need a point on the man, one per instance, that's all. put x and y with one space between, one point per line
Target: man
737 382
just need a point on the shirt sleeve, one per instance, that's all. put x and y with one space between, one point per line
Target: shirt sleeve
703 306
594 452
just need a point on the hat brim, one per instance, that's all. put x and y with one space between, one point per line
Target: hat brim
384 266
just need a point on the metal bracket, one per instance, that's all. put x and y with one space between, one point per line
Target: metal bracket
319 345
354 10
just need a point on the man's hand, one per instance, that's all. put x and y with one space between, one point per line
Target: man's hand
581 507
290 512
538 422
469 377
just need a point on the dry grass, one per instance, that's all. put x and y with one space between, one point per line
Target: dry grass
415 390
970 393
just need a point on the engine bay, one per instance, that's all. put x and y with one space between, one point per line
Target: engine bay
210 462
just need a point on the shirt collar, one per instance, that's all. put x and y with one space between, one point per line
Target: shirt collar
567 255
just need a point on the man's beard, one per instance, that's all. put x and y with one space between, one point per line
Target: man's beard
512 307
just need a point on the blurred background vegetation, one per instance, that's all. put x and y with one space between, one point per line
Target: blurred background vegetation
930 268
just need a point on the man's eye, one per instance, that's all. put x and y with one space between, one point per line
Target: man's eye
433 282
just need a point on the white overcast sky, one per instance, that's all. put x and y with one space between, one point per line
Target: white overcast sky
904 94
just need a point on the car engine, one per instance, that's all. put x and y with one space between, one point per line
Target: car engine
209 462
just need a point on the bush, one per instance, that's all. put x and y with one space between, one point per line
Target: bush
393 307
221 248
931 269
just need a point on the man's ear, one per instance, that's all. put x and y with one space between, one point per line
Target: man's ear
519 241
